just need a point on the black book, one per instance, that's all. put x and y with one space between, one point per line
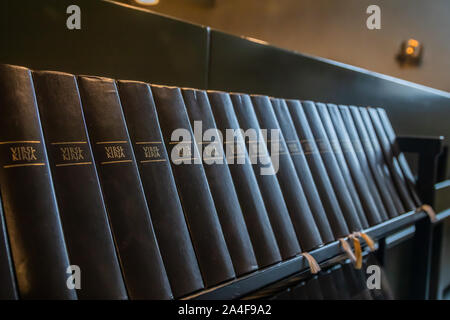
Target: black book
368 196
340 282
329 159
302 218
284 295
313 289
347 170
403 163
298 292
195 195
142 265
374 179
328 286
31 213
356 283
159 187
318 170
373 150
246 186
8 290
392 162
303 171
267 181
220 182
80 201
385 292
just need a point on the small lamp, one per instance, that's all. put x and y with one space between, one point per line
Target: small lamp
411 52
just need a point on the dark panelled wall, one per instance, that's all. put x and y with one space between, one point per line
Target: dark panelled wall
121 42
246 66
114 41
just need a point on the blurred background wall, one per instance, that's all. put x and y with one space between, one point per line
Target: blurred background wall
334 29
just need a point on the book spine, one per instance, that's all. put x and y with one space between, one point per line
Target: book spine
159 187
195 195
313 290
347 173
329 159
302 218
220 182
268 183
138 251
8 289
303 171
328 286
371 141
246 186
341 283
77 189
332 167
370 198
357 285
392 162
384 201
299 292
31 213
406 170
323 183
372 208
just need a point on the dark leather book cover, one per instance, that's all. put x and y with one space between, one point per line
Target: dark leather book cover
406 170
29 203
329 159
392 162
344 149
302 218
220 183
346 170
356 283
8 289
318 170
385 292
284 295
299 292
371 172
206 232
371 144
142 266
303 171
340 282
328 286
268 183
250 199
77 189
160 190
313 289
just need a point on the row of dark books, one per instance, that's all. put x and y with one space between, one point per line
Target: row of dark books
342 282
129 186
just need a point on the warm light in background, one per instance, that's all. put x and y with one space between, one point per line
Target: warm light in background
412 48
147 2
411 52
256 40
413 42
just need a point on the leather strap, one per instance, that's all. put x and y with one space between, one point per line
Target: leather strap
429 211
313 265
358 251
369 241
348 250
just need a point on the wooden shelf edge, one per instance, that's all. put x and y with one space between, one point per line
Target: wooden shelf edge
249 283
